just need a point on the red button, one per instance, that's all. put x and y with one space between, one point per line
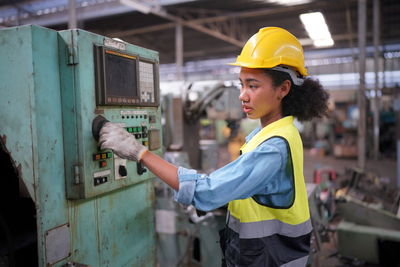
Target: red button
103 164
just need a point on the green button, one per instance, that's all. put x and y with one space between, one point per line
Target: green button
130 129
109 155
135 129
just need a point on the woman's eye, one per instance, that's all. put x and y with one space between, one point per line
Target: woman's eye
252 86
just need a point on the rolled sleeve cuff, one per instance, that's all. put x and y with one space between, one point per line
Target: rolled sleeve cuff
187 185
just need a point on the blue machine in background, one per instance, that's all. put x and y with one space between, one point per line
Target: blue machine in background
64 201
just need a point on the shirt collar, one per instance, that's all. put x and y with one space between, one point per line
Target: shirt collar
276 124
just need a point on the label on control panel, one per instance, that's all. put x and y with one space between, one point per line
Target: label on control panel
133 112
114 44
101 173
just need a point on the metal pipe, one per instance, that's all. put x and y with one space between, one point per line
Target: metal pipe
376 37
362 29
397 112
179 51
72 21
396 107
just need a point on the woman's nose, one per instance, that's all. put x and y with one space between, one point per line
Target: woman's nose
243 96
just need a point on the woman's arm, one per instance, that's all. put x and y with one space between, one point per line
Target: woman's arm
161 168
253 173
113 136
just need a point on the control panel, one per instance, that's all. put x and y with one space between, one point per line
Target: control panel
106 80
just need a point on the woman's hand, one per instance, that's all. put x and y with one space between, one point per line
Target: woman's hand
122 143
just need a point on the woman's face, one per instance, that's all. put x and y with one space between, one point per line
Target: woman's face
260 99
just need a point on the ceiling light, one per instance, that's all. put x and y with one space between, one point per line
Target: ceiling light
323 42
288 2
317 29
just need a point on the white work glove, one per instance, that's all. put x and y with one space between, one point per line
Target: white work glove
122 143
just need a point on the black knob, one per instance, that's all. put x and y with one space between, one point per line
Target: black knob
140 168
122 170
97 124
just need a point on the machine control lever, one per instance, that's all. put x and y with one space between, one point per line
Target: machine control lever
97 124
140 168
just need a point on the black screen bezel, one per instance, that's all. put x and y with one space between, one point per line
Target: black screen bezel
100 74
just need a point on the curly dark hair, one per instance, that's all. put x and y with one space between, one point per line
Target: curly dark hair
305 102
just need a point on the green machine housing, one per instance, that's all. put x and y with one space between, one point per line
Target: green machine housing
118 81
91 207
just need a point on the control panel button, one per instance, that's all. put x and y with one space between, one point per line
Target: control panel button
152 119
103 164
100 156
100 180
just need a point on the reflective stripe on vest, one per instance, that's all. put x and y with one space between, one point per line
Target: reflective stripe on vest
252 220
267 228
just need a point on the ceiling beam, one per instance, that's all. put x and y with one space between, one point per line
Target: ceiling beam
219 18
9 10
142 30
159 11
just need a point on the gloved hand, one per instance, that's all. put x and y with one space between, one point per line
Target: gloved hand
122 143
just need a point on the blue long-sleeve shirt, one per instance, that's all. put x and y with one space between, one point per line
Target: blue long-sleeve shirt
265 172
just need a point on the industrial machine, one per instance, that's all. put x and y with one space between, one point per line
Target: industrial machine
356 214
186 236
64 201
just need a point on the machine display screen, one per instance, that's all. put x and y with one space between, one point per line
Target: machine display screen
124 79
121 76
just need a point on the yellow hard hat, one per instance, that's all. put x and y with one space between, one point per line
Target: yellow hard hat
270 47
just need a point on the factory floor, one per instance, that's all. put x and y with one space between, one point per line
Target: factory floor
386 168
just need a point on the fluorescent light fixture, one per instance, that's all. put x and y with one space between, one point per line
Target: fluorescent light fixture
288 2
136 5
323 42
317 29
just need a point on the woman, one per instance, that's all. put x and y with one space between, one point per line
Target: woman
268 221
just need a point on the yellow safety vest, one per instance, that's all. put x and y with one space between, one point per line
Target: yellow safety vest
252 220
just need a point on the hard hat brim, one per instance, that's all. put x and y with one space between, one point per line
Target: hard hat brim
302 71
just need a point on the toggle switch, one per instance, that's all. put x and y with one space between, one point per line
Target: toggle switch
140 168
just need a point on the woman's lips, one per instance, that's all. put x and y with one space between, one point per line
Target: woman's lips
246 109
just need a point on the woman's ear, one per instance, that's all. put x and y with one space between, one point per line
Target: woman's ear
284 89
